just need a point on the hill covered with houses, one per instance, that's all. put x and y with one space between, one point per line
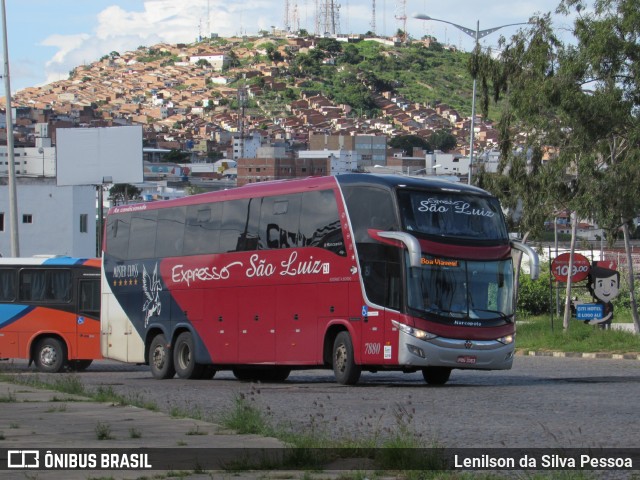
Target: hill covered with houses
195 97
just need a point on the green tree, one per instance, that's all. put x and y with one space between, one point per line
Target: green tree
442 140
579 100
122 193
407 142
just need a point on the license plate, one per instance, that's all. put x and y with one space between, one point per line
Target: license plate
467 359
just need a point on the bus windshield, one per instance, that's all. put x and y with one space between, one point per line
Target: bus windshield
462 292
452 214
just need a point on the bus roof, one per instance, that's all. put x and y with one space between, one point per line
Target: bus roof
50 261
281 187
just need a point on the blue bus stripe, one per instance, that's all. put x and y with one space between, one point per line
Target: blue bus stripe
12 313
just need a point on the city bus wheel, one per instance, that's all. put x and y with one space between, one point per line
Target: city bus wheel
50 355
79 365
436 375
161 359
184 357
344 365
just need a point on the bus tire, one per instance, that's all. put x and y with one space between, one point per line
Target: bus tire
436 375
344 366
161 358
50 355
184 357
79 365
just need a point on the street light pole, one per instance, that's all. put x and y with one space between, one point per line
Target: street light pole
476 34
13 193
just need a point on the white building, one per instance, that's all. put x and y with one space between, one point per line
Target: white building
341 161
52 220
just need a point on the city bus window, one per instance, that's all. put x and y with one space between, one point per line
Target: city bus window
320 222
170 232
41 285
118 235
7 285
143 229
202 233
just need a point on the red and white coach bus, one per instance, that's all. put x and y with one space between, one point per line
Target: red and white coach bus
353 272
49 311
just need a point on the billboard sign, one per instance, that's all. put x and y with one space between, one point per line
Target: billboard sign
579 271
94 156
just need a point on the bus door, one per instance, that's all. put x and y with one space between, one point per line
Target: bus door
88 319
380 270
256 324
115 329
296 324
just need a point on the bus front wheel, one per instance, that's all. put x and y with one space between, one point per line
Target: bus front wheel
344 365
436 375
184 357
50 355
161 359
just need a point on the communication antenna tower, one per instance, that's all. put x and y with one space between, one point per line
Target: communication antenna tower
373 16
329 17
287 24
401 16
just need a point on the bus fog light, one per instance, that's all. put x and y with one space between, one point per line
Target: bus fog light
507 339
415 350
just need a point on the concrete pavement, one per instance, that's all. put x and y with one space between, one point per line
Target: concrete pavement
32 418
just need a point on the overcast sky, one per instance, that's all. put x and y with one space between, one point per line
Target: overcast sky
48 38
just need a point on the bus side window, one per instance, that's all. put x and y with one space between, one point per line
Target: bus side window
7 285
170 234
143 229
59 285
280 221
320 222
202 232
240 224
117 235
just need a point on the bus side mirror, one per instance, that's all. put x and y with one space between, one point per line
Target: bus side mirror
534 261
411 242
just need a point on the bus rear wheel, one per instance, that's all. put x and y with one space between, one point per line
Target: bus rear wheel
161 358
184 357
436 375
344 365
50 355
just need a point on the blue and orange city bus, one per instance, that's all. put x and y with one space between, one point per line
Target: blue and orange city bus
353 272
49 311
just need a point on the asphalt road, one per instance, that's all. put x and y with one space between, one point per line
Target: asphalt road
541 402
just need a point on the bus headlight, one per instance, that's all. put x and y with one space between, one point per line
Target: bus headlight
507 339
414 332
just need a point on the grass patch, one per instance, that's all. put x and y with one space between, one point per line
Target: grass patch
103 431
536 333
8 398
135 433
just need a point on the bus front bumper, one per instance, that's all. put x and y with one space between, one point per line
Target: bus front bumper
454 353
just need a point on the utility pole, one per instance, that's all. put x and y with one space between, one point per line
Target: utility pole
13 195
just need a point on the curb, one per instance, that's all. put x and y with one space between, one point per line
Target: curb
612 356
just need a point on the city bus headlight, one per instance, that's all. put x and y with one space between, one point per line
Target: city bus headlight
507 339
414 332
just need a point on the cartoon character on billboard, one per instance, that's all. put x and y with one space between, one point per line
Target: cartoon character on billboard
604 286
